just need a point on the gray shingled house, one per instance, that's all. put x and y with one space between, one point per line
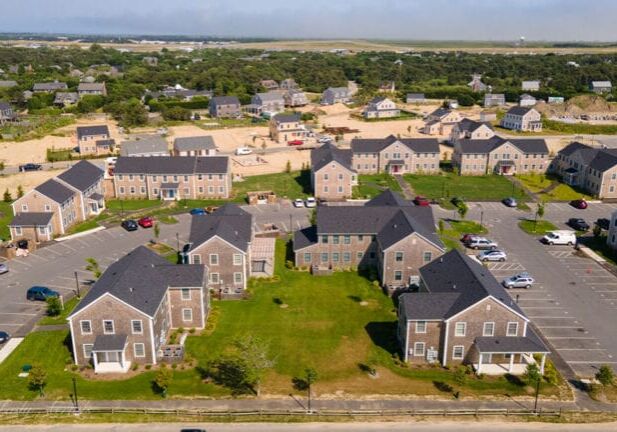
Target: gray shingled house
194 146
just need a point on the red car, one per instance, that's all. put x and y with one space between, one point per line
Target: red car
421 201
146 222
580 204
468 238
295 142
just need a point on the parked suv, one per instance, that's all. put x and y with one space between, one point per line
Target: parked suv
481 243
578 224
492 255
41 293
523 280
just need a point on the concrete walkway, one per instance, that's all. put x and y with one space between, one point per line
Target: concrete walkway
9 347
408 192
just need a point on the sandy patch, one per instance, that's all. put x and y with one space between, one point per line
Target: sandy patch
28 180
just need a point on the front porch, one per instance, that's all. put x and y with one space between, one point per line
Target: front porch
396 166
508 354
517 365
570 177
96 204
108 354
505 167
169 191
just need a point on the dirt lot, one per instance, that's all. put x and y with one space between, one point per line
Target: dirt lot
28 180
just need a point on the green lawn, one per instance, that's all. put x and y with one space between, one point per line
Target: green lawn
540 227
6 214
83 226
469 188
371 185
131 205
453 230
536 183
61 319
296 184
599 246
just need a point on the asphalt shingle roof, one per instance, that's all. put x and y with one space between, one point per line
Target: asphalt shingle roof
194 143
287 118
83 131
305 237
141 279
115 342
469 125
172 165
155 144
82 175
31 219
526 145
55 191
228 222
519 110
509 344
374 145
327 153
225 100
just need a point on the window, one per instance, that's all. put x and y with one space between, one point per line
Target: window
420 326
324 257
141 177
324 239
214 278
196 259
86 327
489 329
360 238
154 178
512 329
139 350
17 230
186 294
398 275
237 259
335 239
238 277
201 189
155 191
136 327
360 255
47 208
186 191
398 256
187 314
335 257
88 350
460 329
458 352
427 256
142 189
119 176
325 176
307 257
186 178
418 349
43 230
347 239
346 257
108 327
214 259
130 177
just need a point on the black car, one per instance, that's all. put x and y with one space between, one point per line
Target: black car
603 223
129 225
30 167
578 224
41 293
4 337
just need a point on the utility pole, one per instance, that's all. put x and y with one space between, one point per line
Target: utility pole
178 241
291 227
535 405
75 394
77 285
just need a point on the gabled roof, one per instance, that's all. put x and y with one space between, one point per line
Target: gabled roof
520 111
477 146
84 86
229 222
286 118
269 96
508 344
374 145
31 219
440 112
572 148
49 86
152 144
377 99
82 175
327 153
141 279
469 125
401 225
83 131
172 165
115 342
224 100
55 190
601 84
305 237
604 160
194 143
388 199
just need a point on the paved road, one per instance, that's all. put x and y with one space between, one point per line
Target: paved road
574 302
446 426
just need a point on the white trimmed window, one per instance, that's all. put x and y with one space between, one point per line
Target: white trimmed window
137 327
187 314
17 230
214 278
237 259
24 207
238 277
108 327
512 329
214 259
88 350
196 259
460 329
458 352
139 350
86 327
419 349
186 294
488 329
420 326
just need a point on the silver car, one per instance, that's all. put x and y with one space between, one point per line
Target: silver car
492 255
4 268
522 280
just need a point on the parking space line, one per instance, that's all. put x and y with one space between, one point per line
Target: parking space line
559 327
10 325
54 251
571 337
551 317
18 313
67 246
590 362
61 287
37 256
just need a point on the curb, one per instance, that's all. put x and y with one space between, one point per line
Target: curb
81 234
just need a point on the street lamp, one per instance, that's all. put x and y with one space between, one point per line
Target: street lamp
535 405
77 285
481 218
75 394
178 241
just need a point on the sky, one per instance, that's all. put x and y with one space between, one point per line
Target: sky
551 20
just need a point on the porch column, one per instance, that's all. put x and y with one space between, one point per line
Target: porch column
122 359
511 363
479 363
542 364
95 356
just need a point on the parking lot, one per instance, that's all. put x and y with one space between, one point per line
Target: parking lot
574 300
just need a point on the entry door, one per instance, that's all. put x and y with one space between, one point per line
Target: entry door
487 358
395 168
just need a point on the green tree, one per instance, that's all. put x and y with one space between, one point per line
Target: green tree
162 379
90 103
157 231
288 167
460 375
310 378
7 196
462 210
257 358
94 267
605 375
54 306
37 379
540 210
20 191
177 113
532 374
232 371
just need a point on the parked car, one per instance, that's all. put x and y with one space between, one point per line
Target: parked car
603 223
30 167
578 224
324 140
41 293
129 225
298 202
295 142
468 237
481 243
146 222
310 202
509 202
421 201
522 280
492 255
243 151
580 204
561 237
197 212
4 337
4 268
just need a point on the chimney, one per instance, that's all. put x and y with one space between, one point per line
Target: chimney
131 289
453 286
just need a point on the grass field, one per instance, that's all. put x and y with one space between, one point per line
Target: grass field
61 319
454 230
296 184
6 215
536 183
540 227
371 185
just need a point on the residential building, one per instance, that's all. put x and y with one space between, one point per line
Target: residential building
224 242
93 139
387 233
415 98
151 61
527 100
91 89
601 87
476 84
590 168
332 174
500 156
287 127
66 99
225 107
530 85
381 107
130 311
172 177
441 121
271 102
8 83
491 100
471 129
269 84
334 95
49 87
611 237
289 84
152 145
461 314
295 98
522 119
6 113
194 146
556 100
394 155
179 92
52 207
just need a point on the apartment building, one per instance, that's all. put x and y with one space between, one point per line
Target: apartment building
145 146
471 129
332 175
441 122
225 107
287 127
194 146
522 118
381 107
94 140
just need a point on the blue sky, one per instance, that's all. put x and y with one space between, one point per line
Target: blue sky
388 19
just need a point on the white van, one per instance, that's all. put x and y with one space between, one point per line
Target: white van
560 238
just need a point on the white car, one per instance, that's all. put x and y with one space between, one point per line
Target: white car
310 202
243 151
492 255
298 203
523 280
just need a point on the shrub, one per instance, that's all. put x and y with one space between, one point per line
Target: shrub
605 375
289 264
460 375
148 367
192 330
54 306
135 367
551 375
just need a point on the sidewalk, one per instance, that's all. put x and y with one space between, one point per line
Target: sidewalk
405 186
